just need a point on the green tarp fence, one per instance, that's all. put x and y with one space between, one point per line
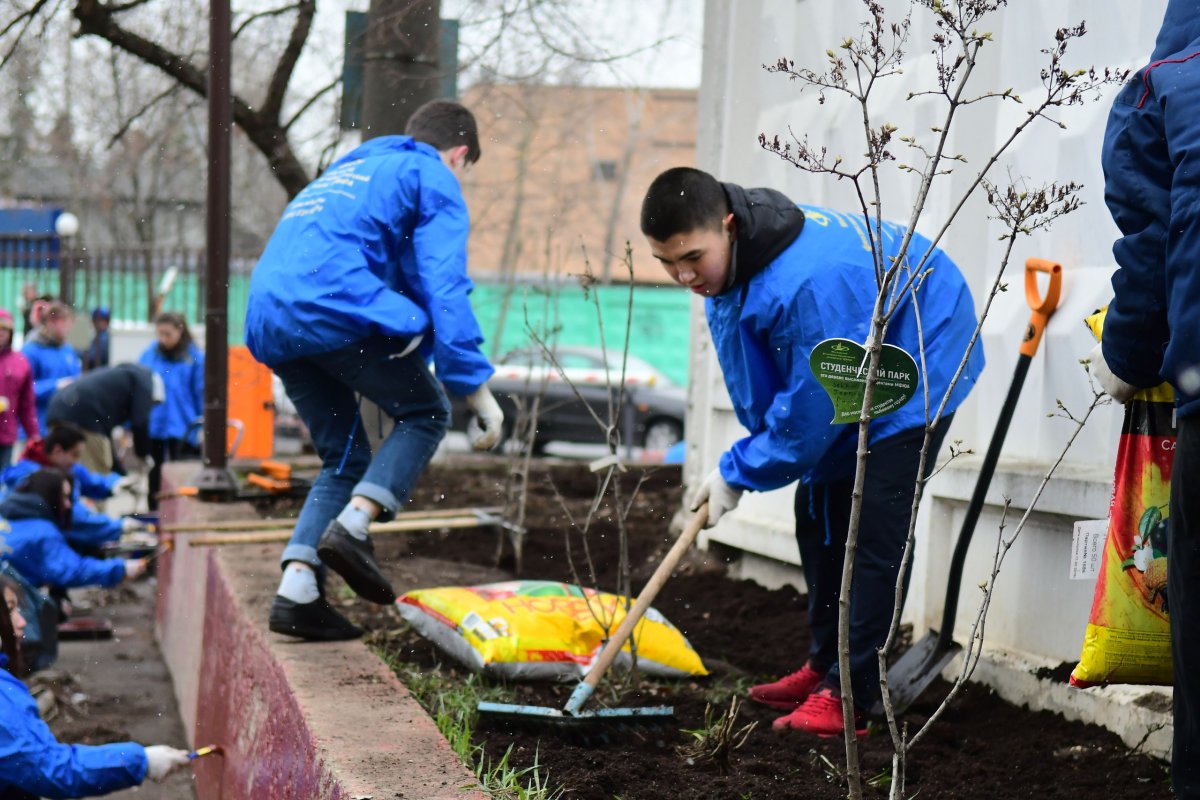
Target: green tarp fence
658 334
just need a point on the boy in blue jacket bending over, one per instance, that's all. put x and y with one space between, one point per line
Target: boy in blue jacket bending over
778 280
364 278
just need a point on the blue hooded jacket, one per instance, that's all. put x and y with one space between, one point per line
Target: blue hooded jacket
376 246
89 528
798 280
183 380
39 643
1151 159
40 552
33 761
49 363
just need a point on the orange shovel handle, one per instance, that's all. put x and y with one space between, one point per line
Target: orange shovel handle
1042 306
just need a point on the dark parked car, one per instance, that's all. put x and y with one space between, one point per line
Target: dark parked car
652 416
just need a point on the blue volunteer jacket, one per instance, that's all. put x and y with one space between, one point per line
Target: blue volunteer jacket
1151 159
790 294
376 246
89 527
183 381
49 364
40 552
33 761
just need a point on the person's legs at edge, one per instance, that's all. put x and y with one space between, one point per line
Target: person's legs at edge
330 410
158 452
401 385
1183 589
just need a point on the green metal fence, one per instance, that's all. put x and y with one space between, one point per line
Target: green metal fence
658 333
125 281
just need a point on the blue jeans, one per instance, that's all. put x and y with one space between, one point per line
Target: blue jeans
323 389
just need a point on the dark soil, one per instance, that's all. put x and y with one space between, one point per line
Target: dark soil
981 747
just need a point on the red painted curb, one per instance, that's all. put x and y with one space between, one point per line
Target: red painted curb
311 721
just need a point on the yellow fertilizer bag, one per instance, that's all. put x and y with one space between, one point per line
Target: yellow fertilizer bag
541 630
1128 638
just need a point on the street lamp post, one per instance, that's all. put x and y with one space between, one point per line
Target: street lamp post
66 227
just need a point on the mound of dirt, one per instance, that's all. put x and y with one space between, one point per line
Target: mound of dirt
981 747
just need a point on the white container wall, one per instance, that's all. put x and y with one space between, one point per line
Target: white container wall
1037 609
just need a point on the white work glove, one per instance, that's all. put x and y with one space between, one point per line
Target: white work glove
162 761
720 496
483 431
127 483
132 525
1113 386
135 568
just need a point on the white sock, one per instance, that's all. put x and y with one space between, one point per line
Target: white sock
356 521
299 584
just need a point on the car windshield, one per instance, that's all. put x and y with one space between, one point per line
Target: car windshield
585 358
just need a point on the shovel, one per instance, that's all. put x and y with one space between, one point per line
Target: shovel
926 659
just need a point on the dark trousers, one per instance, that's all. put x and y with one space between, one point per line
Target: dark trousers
162 451
822 521
1183 587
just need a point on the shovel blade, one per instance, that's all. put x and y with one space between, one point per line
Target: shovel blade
911 675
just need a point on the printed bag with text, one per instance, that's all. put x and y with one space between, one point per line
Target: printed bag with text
1128 638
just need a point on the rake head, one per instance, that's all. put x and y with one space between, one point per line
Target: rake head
584 728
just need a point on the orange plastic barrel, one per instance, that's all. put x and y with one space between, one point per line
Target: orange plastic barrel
251 401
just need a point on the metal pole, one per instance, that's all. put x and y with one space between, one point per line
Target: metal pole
215 481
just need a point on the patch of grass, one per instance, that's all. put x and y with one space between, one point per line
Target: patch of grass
722 689
453 702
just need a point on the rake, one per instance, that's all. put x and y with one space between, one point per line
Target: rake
584 725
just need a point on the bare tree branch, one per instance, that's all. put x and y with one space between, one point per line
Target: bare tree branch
272 106
272 12
141 112
262 127
27 16
310 102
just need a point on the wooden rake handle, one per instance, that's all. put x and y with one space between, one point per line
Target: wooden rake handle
395 526
646 598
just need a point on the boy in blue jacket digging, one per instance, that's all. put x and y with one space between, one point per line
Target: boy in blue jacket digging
778 280
364 278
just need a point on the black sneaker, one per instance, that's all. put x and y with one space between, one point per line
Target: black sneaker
354 560
315 621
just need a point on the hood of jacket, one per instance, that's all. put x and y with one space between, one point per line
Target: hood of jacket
767 224
385 145
1180 29
20 505
35 451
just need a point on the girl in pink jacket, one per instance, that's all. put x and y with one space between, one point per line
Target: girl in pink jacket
16 393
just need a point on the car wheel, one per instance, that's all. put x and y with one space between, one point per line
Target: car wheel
661 434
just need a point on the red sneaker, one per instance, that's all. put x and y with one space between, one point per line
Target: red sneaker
821 714
789 691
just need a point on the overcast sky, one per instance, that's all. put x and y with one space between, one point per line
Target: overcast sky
660 39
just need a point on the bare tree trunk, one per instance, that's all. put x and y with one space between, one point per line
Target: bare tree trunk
401 63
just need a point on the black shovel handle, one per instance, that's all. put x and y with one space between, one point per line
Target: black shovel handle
1043 307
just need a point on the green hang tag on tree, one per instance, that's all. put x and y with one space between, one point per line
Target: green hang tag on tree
840 366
